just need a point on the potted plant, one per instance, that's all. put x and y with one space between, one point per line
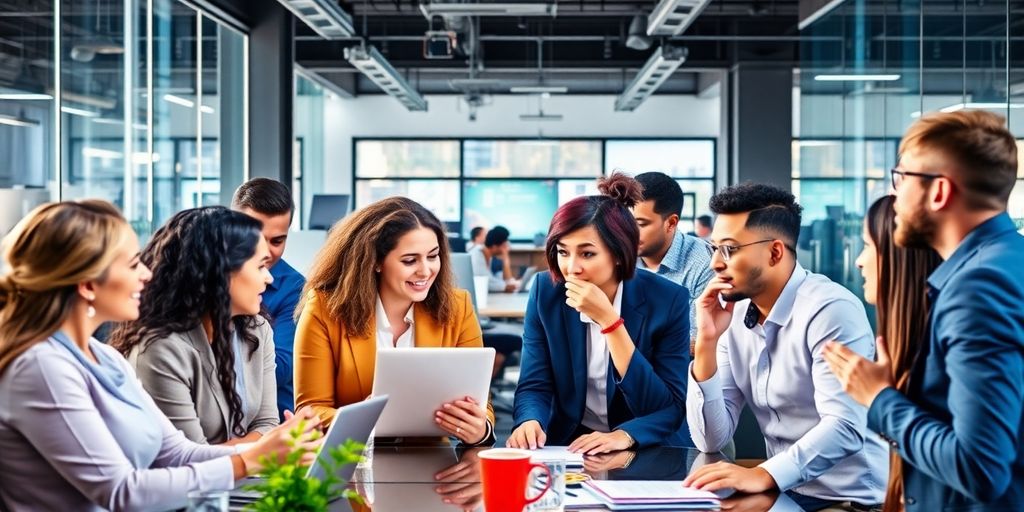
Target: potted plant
285 486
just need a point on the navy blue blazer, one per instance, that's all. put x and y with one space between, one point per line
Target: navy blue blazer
960 428
649 403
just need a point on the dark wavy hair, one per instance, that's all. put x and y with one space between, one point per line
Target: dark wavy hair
192 258
610 216
771 209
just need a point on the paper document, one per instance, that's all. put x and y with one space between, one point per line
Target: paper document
650 492
554 453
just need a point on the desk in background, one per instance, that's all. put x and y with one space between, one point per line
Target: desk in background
505 305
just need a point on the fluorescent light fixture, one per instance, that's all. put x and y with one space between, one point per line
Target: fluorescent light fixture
371 63
24 96
663 62
178 100
325 17
538 89
104 154
79 112
89 100
672 17
431 9
980 105
817 143
206 109
915 114
541 116
19 120
856 78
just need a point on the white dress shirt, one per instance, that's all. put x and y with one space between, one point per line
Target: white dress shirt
385 334
816 436
595 416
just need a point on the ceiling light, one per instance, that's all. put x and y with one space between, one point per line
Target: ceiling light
663 62
672 17
104 154
325 17
24 96
540 116
856 78
18 120
86 99
206 110
981 105
178 100
79 112
372 64
539 89
432 9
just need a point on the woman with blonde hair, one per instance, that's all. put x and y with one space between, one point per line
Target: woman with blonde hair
383 280
77 431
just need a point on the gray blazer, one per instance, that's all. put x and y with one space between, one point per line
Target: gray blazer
179 372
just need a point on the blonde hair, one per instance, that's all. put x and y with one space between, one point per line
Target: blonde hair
46 255
982 151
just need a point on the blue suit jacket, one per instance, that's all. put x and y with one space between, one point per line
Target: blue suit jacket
279 300
649 403
959 428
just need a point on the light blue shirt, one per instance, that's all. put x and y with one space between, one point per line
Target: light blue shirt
687 263
816 436
495 281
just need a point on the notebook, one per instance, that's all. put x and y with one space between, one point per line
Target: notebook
651 495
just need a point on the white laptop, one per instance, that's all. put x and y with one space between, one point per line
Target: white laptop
419 380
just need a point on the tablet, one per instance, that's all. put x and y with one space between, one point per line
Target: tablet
418 380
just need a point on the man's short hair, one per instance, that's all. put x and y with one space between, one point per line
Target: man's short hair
704 220
663 190
264 196
496 236
475 232
983 153
770 209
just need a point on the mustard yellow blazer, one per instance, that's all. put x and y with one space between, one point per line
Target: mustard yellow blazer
334 368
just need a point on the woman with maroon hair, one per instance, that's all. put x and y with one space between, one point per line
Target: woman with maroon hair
605 348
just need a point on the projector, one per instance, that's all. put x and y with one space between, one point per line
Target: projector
439 44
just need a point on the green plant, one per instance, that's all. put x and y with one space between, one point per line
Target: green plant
285 486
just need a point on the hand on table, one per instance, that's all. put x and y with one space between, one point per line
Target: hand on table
528 436
601 442
760 502
464 419
606 461
723 475
459 484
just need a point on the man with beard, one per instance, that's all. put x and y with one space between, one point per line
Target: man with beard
664 249
960 427
762 324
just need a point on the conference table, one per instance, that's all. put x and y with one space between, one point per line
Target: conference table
447 479
505 305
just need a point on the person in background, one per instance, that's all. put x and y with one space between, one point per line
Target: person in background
199 346
383 280
959 424
270 202
476 237
763 322
702 227
895 281
664 249
603 344
77 431
496 245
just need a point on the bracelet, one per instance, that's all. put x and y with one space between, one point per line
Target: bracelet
615 325
632 442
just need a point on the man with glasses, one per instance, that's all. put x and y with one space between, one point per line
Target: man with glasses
762 324
959 428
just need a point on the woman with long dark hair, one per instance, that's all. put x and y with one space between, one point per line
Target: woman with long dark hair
383 280
77 431
605 348
895 281
199 346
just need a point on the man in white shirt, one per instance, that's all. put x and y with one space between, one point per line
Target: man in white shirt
762 324
496 244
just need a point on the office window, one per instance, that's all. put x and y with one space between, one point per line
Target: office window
570 189
531 158
525 207
676 158
438 196
407 159
847 174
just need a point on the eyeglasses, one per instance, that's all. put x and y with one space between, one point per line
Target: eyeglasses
728 250
898 175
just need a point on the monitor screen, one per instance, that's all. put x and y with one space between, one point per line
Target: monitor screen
327 209
525 207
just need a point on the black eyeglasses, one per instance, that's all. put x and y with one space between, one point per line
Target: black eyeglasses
728 250
897 176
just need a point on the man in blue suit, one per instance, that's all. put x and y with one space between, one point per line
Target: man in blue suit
604 347
960 427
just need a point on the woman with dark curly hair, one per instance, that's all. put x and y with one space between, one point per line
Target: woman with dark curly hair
605 348
199 346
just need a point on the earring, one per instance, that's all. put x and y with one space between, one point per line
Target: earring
90 311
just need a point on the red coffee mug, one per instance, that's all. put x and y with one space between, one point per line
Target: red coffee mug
505 473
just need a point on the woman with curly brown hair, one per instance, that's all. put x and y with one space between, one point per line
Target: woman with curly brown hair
383 280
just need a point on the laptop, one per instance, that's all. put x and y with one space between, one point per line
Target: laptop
527 280
355 421
419 380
